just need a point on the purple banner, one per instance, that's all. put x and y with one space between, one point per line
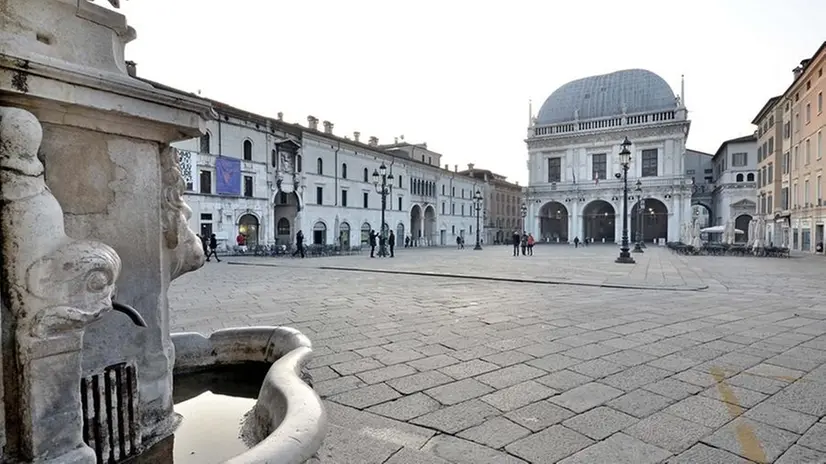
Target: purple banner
228 176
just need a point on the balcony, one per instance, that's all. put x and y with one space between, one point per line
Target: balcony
600 124
609 184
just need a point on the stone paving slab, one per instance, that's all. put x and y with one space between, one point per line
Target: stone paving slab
437 369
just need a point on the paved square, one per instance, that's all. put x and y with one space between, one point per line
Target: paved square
445 355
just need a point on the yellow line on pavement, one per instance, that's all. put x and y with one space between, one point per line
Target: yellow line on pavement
749 443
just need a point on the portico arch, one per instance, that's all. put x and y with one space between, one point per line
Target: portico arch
430 225
248 225
703 213
654 222
415 222
553 222
599 219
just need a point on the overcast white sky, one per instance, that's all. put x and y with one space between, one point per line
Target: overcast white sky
458 74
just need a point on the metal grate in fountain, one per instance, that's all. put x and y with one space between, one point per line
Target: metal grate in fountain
110 416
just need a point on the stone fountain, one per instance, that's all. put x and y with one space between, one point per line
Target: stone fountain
92 219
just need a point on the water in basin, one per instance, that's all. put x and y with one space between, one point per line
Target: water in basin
213 404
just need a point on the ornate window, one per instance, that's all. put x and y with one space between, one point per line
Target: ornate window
599 166
649 163
554 169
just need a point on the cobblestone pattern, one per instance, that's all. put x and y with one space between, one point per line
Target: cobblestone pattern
419 369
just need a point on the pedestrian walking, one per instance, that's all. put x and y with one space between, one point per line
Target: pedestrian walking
524 243
531 242
299 244
576 242
391 241
213 245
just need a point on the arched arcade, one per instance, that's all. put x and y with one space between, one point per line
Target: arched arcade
599 222
654 215
553 222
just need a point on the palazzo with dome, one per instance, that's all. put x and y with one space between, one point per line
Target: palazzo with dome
575 184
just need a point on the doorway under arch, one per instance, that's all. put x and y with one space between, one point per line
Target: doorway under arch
415 223
654 223
400 233
285 210
703 213
319 233
599 219
430 225
553 222
742 223
248 225
344 235
365 234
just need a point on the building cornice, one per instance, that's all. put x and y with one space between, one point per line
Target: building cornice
609 135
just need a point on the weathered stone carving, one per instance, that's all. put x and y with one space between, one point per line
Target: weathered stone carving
54 286
188 253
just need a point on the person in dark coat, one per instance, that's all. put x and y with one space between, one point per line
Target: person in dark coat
213 245
391 241
299 244
373 237
516 239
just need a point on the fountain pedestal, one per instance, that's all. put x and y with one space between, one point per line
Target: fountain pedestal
67 103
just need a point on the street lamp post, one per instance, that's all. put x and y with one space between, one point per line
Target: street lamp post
384 187
640 217
477 201
625 161
524 211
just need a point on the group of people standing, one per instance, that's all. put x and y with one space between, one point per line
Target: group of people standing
373 238
524 242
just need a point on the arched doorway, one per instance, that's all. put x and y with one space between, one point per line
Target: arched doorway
598 221
282 231
702 213
430 225
655 220
344 235
286 208
248 225
319 233
400 233
416 223
365 234
742 223
553 222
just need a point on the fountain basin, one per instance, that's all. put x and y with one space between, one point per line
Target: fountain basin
287 423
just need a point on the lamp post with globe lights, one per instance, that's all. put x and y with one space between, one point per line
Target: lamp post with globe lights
524 210
638 246
625 162
383 182
477 203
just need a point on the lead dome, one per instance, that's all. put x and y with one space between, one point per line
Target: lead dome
605 95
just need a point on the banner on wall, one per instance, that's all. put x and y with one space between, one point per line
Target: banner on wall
228 176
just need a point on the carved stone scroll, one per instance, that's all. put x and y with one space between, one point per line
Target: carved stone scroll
188 253
54 287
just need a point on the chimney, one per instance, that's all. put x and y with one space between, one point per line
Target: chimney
447 167
395 140
132 68
312 122
356 135
328 127
470 167
374 141
455 168
280 116
797 71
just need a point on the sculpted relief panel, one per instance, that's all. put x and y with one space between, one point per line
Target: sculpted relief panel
187 252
